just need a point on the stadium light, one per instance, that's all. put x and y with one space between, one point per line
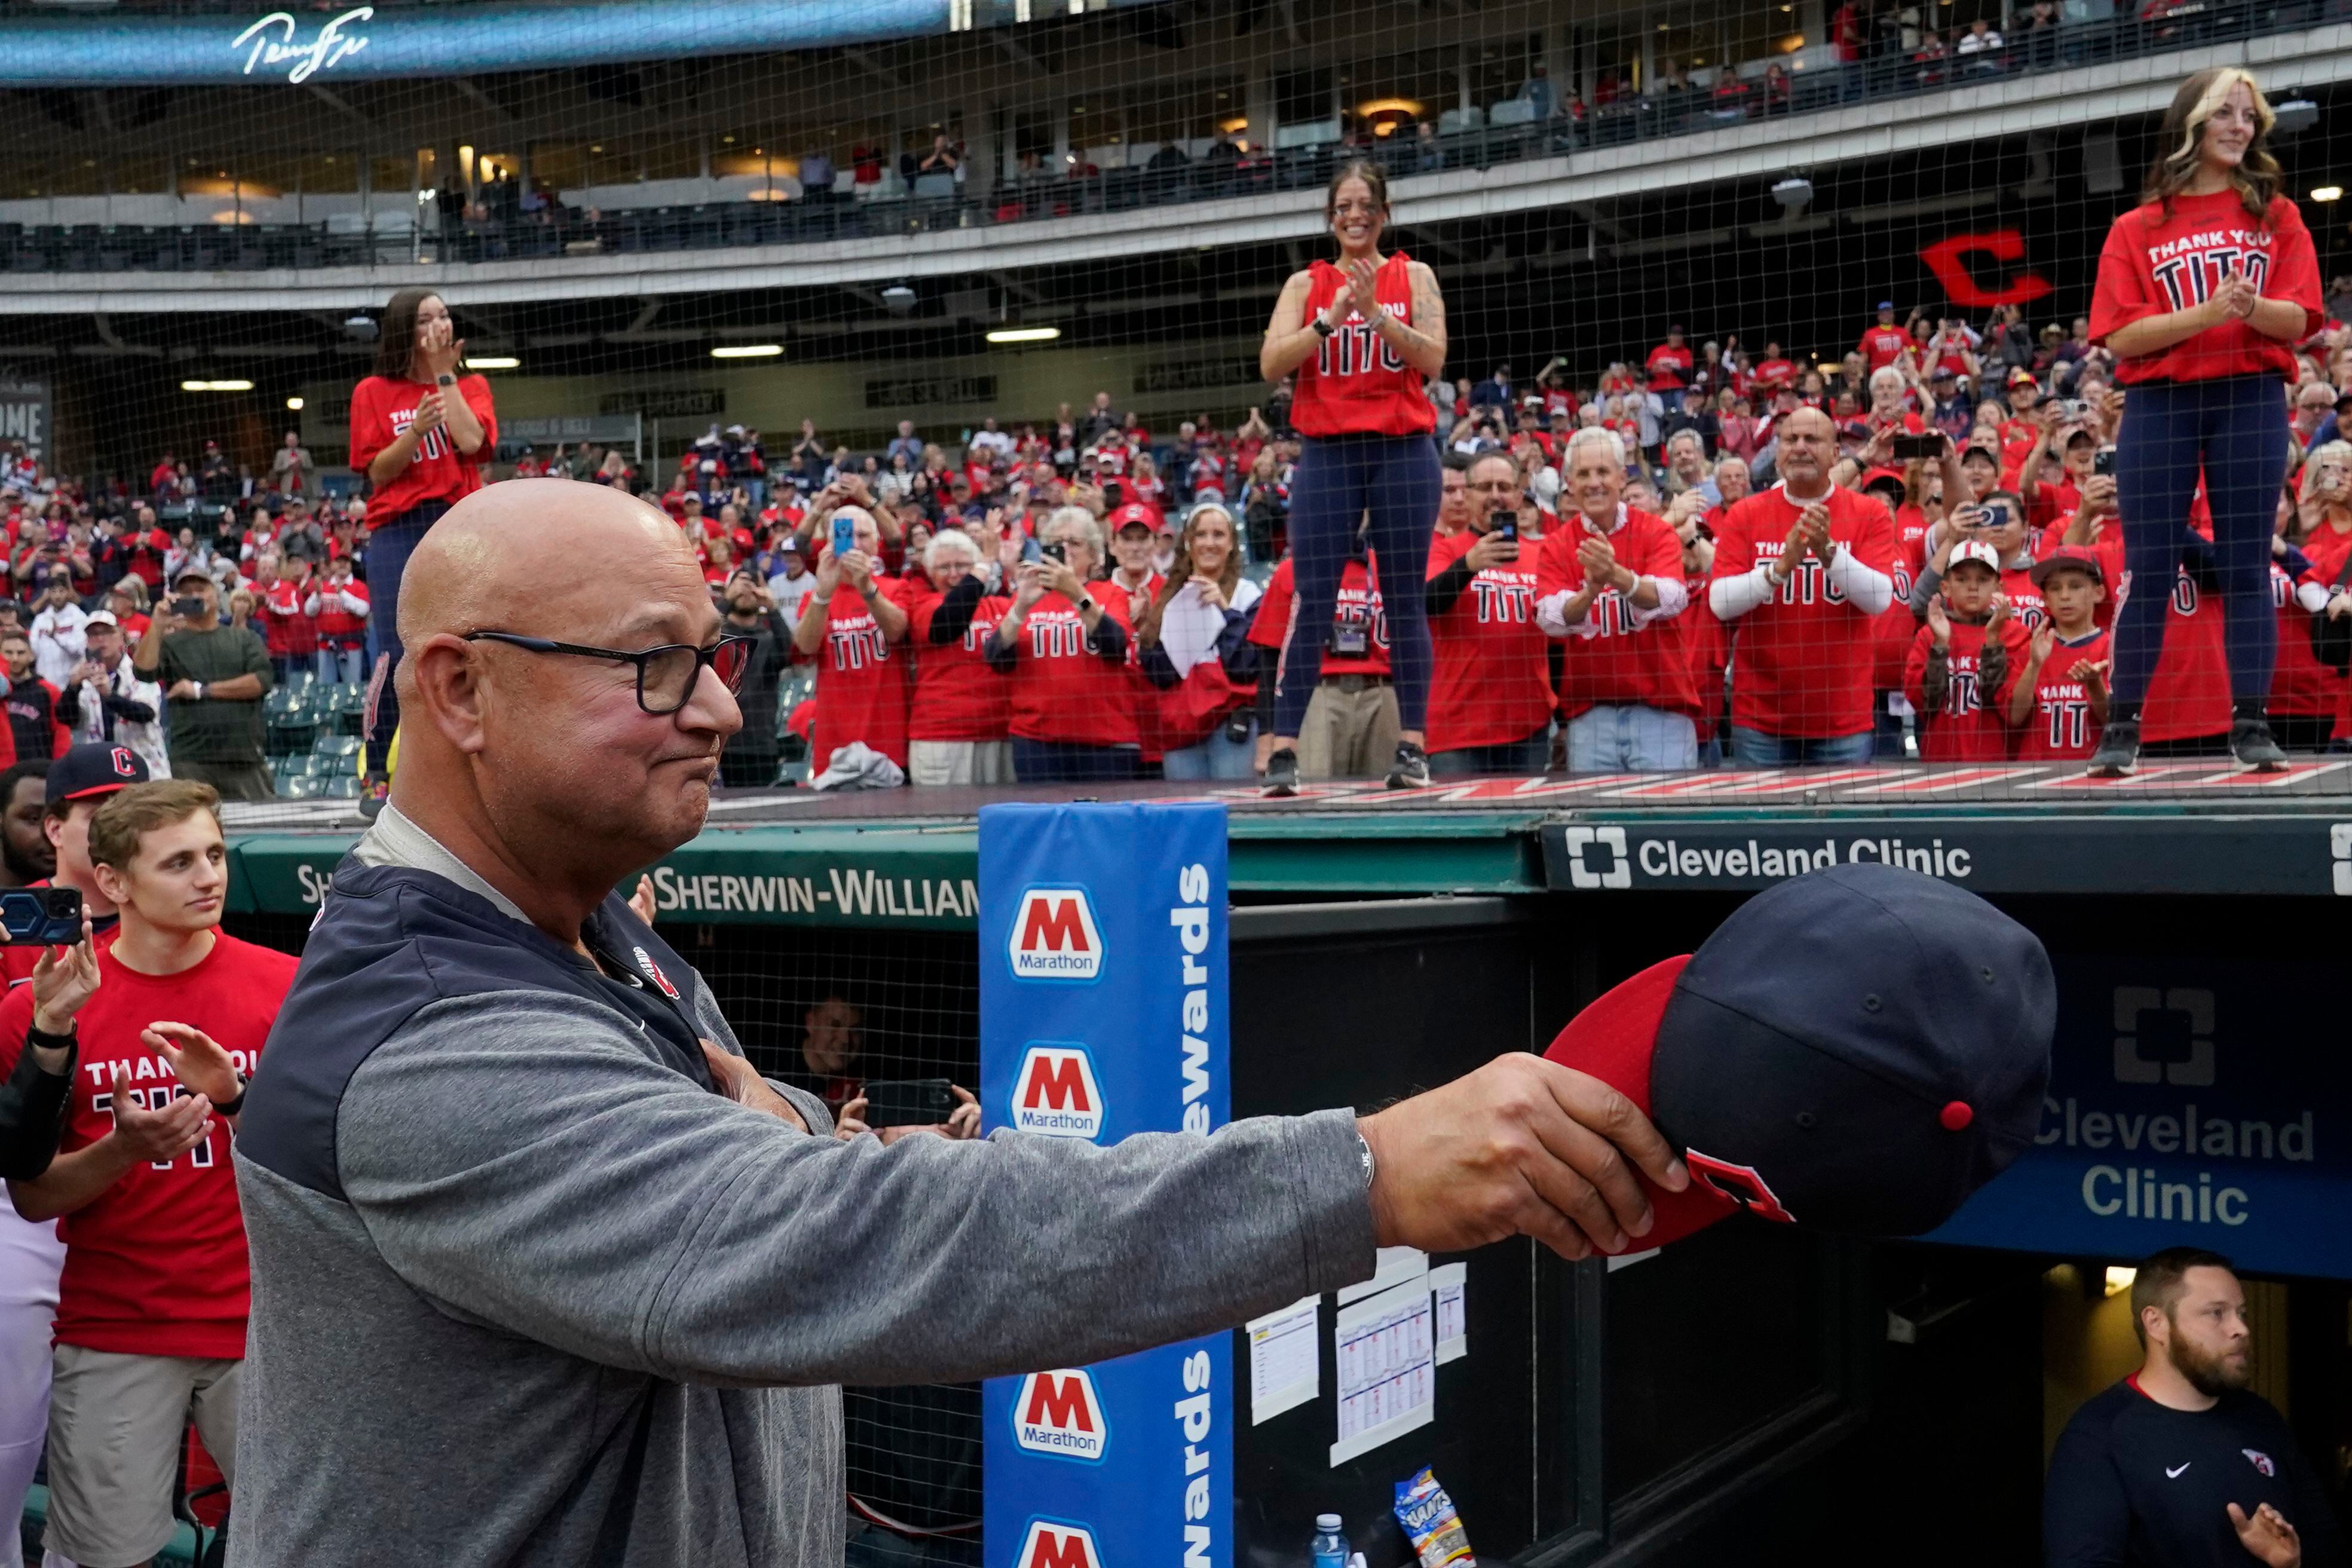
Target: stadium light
1793 193
747 351
899 299
493 362
2119 1280
2328 193
1023 334
215 386
294 404
2294 117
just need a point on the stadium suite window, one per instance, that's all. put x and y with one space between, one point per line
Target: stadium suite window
1497 69
1403 89
1303 96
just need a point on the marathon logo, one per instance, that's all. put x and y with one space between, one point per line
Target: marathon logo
1056 1093
1054 936
1058 1414
1052 1546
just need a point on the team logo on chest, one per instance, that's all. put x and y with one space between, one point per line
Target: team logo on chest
2260 1460
653 971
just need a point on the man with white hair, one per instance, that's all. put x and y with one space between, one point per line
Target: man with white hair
957 731
1610 583
1890 391
1686 467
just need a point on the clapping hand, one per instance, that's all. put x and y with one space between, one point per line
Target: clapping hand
157 1137
1939 622
2046 637
196 1058
64 978
1999 614
2092 673
2267 1536
1363 289
2236 298
1813 523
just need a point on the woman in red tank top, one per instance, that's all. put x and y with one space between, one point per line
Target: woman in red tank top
1361 338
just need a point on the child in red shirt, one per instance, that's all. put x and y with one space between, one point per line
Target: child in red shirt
1960 663
2058 703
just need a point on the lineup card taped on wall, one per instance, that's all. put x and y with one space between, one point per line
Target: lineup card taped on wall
1285 1370
1448 1289
1387 1368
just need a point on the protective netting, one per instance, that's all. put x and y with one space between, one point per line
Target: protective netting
956 273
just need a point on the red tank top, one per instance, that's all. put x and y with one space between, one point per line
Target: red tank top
1356 385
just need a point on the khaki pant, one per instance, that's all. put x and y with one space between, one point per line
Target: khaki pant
1349 734
938 763
115 1426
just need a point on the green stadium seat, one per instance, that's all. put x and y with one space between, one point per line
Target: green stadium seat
304 788
343 786
336 746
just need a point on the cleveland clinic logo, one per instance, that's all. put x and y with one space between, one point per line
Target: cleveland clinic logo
271 42
1596 859
2164 1036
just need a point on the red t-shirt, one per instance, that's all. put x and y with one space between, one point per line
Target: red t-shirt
1669 367
289 633
1359 600
336 622
2189 694
1968 727
1802 662
2050 505
144 552
2024 598
1772 375
2153 264
2060 726
2327 550
1355 383
1491 684
156 1264
861 679
1897 627
2299 684
1882 346
1650 667
381 411
957 696
1063 690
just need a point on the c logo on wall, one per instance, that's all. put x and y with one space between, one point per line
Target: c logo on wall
1049 1544
1056 1093
1057 1412
1054 936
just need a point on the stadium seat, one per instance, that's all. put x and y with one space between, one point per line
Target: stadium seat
343 786
304 787
336 747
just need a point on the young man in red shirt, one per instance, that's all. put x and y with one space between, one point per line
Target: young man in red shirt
1801 571
2058 703
1610 583
1958 678
862 673
1883 342
165 1022
1490 697
1670 363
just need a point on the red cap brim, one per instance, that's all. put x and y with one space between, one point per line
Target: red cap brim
1612 1040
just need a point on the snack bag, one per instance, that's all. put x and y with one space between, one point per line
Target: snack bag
1431 1524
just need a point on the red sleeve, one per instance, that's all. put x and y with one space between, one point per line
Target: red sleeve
1873 538
476 391
15 1019
2122 292
2295 269
1445 548
1663 557
1863 346
2015 639
1553 557
1273 623
371 430
1734 542
1914 669
918 616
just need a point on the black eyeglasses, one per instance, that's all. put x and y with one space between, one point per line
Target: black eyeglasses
665 675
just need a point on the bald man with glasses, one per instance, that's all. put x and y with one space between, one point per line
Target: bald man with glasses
531 1241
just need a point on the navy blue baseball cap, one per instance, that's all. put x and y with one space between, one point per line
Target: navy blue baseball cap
1857 1049
91 770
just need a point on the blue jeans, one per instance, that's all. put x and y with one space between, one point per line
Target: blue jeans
389 548
1754 749
1625 737
1339 479
2232 432
1062 762
347 665
1515 757
1218 757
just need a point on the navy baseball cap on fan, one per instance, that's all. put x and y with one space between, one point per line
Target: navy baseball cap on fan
1857 1049
92 771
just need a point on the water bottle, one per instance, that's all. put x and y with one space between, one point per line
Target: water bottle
1330 1547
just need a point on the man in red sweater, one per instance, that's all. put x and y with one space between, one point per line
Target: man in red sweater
162 1027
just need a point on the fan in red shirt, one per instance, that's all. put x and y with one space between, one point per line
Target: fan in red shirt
1352 719
857 618
288 628
1063 644
1890 399
957 731
1490 699
1800 571
2058 703
340 603
164 1023
1956 680
1610 582
2025 421
2202 291
1773 372
1669 364
2324 508
420 432
2304 693
1884 343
